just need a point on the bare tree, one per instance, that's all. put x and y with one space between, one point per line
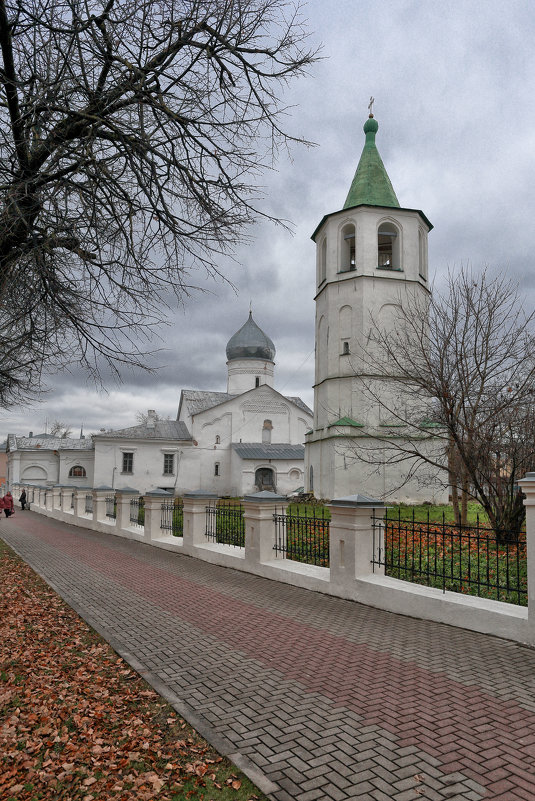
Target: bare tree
456 376
132 137
60 429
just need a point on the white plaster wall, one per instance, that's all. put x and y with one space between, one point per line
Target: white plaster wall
148 462
242 374
31 463
69 459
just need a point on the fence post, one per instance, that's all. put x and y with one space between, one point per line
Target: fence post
79 501
260 534
528 488
351 538
124 496
194 518
56 497
153 513
99 503
66 495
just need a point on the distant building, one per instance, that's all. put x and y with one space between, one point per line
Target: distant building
44 459
236 442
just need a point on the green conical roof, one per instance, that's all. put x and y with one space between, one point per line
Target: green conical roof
371 185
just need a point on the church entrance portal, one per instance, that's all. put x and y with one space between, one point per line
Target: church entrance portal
265 479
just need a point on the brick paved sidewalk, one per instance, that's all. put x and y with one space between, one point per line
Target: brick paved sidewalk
315 697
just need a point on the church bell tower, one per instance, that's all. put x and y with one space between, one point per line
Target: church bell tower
369 256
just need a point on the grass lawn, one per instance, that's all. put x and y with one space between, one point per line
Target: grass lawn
77 723
437 512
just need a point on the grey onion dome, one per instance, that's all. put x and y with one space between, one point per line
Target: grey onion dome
250 342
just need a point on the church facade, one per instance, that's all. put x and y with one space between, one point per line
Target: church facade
371 257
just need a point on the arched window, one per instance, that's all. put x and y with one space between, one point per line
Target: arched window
77 472
323 261
217 439
266 432
422 255
388 247
347 249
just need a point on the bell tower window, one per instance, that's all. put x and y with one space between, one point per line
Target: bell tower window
388 247
347 249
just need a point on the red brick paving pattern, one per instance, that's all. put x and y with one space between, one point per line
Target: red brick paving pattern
466 729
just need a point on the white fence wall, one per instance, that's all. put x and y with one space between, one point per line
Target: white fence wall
349 576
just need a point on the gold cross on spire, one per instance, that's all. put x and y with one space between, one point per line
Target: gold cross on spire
370 106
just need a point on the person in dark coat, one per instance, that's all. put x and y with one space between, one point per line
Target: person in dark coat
22 500
9 504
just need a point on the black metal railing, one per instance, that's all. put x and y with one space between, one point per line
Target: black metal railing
89 503
137 511
302 534
468 559
172 517
111 506
225 523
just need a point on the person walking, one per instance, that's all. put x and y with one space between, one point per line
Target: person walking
9 504
22 500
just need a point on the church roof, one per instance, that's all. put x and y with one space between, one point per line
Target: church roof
162 429
199 400
47 442
250 342
371 184
260 450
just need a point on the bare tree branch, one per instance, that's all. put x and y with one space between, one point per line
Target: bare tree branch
132 137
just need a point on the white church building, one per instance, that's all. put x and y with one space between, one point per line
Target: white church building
231 443
371 257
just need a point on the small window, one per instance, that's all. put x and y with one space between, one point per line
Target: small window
266 432
257 381
217 439
77 472
128 462
216 469
169 464
345 348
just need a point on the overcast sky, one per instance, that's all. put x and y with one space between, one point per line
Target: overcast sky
454 86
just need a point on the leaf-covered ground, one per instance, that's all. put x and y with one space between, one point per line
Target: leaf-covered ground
77 723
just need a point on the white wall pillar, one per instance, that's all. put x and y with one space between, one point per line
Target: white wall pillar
66 499
528 488
260 534
153 513
194 517
124 496
99 503
351 538
79 501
